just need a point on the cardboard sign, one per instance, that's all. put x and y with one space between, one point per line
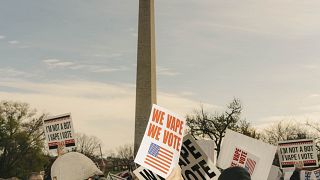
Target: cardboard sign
306 175
244 159
194 162
160 148
208 146
145 174
310 175
297 151
58 130
317 174
261 153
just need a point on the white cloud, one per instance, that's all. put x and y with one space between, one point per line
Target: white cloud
12 72
314 96
111 55
310 66
100 109
14 42
52 63
2 37
166 71
58 63
100 70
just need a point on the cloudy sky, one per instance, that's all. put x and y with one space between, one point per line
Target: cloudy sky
79 56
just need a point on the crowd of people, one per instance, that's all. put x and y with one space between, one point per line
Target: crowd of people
75 166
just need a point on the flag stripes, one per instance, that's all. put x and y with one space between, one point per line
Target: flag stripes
159 158
250 165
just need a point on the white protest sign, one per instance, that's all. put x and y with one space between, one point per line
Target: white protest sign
310 175
306 175
317 174
194 162
208 146
145 174
160 148
58 130
244 159
297 151
275 173
238 149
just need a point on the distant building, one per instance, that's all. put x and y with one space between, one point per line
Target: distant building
113 164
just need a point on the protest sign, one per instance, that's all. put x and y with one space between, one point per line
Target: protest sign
145 174
252 154
310 175
275 173
208 146
194 162
160 148
317 174
297 151
306 175
244 159
59 131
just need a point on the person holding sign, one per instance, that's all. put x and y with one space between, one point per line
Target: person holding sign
296 174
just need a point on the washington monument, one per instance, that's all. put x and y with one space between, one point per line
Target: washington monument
146 70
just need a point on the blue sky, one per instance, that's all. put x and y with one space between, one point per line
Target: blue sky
79 56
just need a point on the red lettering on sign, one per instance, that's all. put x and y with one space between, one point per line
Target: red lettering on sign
154 131
171 140
157 116
236 154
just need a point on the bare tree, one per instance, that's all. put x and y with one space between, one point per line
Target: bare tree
203 124
125 151
88 145
285 130
244 127
126 154
315 130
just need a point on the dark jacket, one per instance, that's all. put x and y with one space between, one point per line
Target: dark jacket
295 175
235 173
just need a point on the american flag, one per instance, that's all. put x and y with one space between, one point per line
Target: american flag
250 165
159 158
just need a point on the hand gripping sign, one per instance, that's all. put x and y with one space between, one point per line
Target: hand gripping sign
297 151
160 148
240 150
194 162
145 174
59 132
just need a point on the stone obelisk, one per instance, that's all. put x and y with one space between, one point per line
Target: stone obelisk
146 70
